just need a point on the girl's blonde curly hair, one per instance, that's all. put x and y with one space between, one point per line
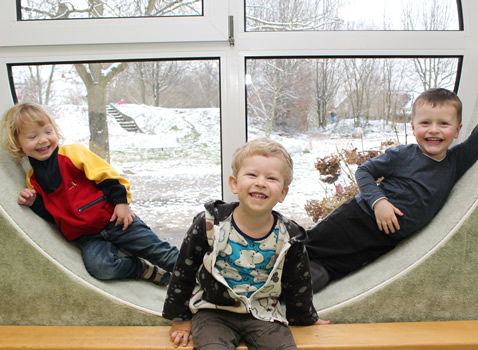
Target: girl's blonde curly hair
15 118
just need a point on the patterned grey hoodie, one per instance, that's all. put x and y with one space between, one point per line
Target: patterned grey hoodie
196 283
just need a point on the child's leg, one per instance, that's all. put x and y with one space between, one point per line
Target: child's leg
265 335
217 329
102 261
345 240
319 275
214 329
138 240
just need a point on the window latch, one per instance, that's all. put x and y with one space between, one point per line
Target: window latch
231 31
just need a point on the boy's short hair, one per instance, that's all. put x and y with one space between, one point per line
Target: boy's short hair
13 120
267 148
438 97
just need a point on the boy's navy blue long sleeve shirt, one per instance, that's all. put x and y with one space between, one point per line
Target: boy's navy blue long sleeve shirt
413 182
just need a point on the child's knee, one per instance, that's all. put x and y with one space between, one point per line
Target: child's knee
99 270
107 268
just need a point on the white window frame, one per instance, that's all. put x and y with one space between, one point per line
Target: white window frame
191 37
212 26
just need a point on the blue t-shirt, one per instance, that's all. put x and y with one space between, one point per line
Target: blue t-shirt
246 262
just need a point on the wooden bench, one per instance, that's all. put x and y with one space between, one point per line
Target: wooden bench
414 335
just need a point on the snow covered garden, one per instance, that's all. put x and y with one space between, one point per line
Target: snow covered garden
175 165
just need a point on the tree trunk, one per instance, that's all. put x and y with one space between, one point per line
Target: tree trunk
99 136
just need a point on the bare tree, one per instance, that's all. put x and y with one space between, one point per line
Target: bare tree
435 72
360 85
59 9
96 80
285 91
432 15
327 83
394 93
277 95
291 15
97 76
38 84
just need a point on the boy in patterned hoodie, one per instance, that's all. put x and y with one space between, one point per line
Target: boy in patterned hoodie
239 260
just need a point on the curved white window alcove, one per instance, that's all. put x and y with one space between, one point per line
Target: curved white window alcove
240 58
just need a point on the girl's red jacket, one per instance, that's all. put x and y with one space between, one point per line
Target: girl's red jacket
79 205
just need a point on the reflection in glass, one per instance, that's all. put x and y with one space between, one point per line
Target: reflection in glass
316 15
319 106
157 123
56 9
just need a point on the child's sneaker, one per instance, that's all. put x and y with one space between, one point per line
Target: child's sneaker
155 274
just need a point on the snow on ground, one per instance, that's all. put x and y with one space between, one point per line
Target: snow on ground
175 165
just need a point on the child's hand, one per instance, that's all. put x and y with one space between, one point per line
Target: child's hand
386 215
180 332
122 215
27 197
321 322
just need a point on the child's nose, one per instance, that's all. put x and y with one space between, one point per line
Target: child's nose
434 127
43 138
260 181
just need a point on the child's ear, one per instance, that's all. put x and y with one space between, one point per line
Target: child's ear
233 184
284 194
413 127
458 130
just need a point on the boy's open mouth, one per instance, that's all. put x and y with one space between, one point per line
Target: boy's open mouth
433 139
258 195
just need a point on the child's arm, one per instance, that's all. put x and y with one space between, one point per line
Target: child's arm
367 174
386 216
28 197
183 279
180 332
115 187
122 215
297 286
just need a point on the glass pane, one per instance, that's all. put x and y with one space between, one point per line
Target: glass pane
314 15
319 107
162 125
56 9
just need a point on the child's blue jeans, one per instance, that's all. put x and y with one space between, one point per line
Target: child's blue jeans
103 260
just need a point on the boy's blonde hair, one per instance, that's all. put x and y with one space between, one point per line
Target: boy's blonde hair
267 148
438 97
13 121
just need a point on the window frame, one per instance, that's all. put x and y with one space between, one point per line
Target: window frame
190 43
212 26
25 42
459 8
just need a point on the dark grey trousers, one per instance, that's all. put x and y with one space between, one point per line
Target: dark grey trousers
221 330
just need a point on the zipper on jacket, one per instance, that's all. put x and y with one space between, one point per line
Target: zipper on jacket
89 205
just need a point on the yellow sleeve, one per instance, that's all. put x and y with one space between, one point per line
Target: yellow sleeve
94 167
29 175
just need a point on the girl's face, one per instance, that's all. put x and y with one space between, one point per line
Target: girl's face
38 141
